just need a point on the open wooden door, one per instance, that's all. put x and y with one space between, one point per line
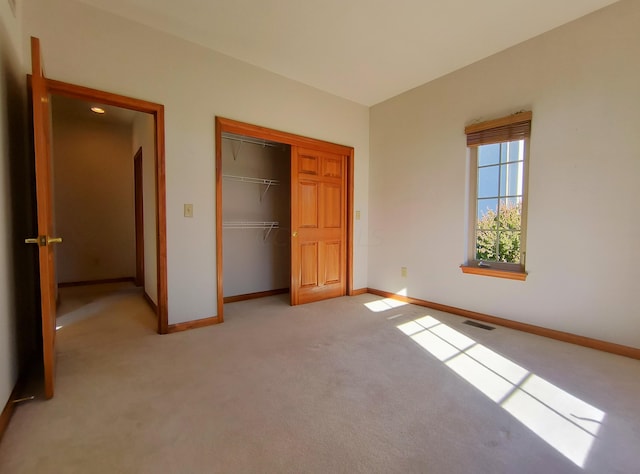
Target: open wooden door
44 240
318 225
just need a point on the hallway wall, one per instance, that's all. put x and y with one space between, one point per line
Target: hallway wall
93 197
143 137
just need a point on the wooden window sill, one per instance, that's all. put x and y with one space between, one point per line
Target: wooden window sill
494 272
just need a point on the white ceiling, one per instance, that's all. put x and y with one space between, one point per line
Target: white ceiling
363 50
65 108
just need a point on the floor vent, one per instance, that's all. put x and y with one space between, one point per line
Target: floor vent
479 325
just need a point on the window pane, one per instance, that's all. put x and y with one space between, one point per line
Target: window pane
511 179
504 151
486 245
489 154
510 214
488 182
512 201
509 247
512 151
487 213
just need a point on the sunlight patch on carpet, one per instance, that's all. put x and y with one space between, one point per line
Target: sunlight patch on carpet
384 305
562 420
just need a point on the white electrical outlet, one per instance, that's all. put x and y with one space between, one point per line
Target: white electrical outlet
403 272
188 210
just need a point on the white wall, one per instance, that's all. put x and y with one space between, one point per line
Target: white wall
86 46
18 298
144 136
93 198
582 83
8 350
251 262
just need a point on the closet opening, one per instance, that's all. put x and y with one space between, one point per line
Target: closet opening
284 213
256 222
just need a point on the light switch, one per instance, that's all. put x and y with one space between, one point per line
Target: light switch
357 215
188 210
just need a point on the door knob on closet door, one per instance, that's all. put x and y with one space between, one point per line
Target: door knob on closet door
295 233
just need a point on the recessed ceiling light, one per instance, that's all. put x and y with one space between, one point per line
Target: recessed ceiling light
97 110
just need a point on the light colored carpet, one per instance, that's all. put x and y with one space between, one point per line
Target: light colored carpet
328 387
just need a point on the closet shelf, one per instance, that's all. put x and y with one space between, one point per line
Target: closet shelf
254 141
247 179
250 224
268 226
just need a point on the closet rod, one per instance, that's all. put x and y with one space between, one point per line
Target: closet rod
253 141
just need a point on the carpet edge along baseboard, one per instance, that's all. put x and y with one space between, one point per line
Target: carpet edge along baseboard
589 342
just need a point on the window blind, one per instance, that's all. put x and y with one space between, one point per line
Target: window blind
505 129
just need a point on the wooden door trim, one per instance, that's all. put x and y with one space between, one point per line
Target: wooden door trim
255 131
157 110
350 222
225 125
220 125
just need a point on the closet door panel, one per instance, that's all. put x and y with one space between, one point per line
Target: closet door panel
332 167
308 204
332 252
309 163
332 204
309 264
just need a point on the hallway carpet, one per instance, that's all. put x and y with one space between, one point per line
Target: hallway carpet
350 385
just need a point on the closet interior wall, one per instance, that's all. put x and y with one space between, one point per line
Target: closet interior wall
256 217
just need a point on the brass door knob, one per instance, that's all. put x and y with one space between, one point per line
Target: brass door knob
42 240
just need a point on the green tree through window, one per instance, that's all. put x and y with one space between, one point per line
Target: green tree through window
498 236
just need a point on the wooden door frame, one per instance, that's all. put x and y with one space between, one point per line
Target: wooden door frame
225 125
139 216
157 110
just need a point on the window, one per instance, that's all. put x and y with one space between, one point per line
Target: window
498 151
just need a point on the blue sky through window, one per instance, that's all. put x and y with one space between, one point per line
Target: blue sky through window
500 174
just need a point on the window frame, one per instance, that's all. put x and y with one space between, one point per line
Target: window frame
514 271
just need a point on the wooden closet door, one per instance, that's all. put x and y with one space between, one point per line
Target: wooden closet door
318 225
